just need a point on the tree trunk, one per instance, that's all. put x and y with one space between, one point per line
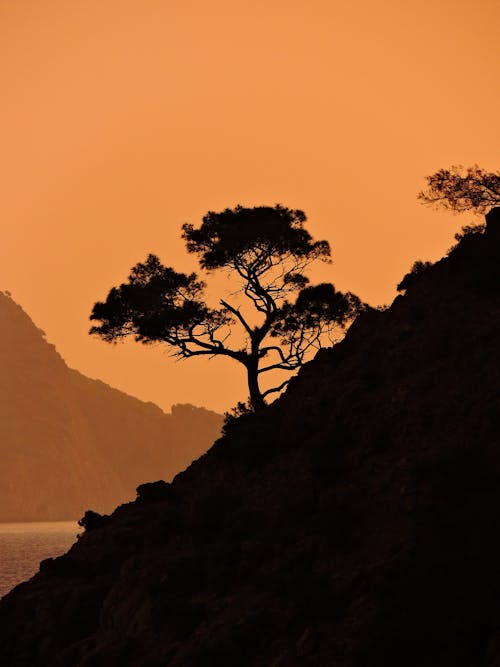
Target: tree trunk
256 400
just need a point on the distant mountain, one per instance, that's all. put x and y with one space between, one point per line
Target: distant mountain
68 443
353 523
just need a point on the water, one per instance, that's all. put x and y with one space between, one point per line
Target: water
24 545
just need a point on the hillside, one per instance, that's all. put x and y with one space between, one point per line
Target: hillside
68 442
353 523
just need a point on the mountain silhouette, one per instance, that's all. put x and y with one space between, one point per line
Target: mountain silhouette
352 523
68 442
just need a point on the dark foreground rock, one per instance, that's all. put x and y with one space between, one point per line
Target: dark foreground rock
353 523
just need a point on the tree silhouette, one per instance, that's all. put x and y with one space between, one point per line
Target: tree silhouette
460 189
266 251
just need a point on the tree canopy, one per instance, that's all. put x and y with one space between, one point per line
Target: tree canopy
459 189
266 251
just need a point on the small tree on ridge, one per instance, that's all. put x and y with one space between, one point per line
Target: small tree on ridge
462 190
266 249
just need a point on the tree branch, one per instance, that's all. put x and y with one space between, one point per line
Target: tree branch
285 366
276 389
273 348
236 312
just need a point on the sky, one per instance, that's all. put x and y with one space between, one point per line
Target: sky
122 119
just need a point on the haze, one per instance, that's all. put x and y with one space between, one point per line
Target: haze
122 120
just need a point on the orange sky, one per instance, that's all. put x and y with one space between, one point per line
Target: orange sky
122 119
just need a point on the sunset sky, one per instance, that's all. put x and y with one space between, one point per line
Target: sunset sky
120 120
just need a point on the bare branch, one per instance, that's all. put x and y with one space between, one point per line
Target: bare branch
276 389
285 366
236 312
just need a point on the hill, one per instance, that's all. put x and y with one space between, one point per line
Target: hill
353 523
68 442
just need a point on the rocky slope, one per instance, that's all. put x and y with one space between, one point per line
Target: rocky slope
353 523
68 442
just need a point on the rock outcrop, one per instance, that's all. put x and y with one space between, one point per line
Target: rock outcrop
353 523
68 443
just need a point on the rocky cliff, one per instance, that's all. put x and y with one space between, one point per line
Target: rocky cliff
68 443
353 523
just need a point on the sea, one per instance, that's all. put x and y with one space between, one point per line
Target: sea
24 545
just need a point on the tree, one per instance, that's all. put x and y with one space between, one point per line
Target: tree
462 190
266 249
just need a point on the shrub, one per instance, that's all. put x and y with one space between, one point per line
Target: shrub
417 269
91 520
153 491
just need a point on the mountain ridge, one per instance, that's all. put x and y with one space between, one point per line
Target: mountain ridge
68 441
